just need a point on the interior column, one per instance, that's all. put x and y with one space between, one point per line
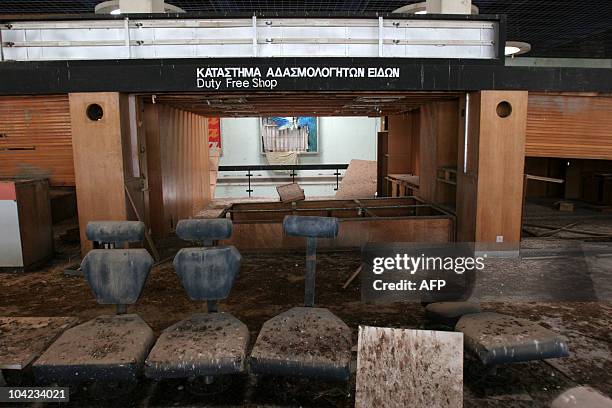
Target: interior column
96 124
490 170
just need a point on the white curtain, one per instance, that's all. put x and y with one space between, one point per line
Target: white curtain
284 140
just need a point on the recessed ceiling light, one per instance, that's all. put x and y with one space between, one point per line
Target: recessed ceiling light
513 48
116 11
421 12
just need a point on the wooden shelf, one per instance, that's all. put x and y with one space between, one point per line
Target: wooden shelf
449 182
447 175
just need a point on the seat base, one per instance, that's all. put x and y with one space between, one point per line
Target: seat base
585 397
305 342
201 345
107 348
496 339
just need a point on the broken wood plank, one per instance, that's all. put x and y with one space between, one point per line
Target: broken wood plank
289 193
553 232
542 178
409 368
352 277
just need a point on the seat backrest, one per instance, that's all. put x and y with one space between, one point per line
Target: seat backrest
314 227
115 231
117 276
208 273
204 230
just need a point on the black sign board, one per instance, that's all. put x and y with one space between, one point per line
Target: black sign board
290 74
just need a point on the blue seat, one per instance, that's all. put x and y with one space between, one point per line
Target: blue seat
210 344
313 227
207 273
204 230
115 231
117 276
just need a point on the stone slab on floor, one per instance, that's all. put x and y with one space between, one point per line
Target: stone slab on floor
203 344
23 339
304 342
111 347
409 368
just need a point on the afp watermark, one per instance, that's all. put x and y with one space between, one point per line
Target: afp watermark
398 272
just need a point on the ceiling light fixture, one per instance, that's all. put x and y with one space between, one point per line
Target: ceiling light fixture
113 7
513 48
421 8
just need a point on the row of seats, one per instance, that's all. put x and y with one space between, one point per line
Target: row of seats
303 341
121 347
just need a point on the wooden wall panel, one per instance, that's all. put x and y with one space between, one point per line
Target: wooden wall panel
490 192
569 126
467 168
178 165
403 143
381 163
35 138
98 160
35 221
438 148
501 162
353 233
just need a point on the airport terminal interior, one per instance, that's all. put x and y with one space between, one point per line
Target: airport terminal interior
195 195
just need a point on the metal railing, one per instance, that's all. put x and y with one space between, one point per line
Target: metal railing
287 167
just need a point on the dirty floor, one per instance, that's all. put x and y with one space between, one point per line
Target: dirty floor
270 283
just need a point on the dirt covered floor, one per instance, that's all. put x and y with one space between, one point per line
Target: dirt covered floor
270 283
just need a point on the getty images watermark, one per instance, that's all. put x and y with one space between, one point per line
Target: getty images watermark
422 263
399 272
421 272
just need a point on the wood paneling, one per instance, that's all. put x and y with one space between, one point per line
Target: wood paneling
98 160
35 223
569 126
501 162
547 167
467 168
35 138
353 233
398 148
402 143
438 148
490 192
178 165
381 163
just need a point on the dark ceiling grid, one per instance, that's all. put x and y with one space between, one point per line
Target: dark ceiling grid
554 28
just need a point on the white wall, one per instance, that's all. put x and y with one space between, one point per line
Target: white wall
340 140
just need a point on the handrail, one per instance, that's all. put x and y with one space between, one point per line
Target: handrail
284 167
292 167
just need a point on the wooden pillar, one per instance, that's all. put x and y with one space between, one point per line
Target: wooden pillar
438 148
490 177
96 123
381 164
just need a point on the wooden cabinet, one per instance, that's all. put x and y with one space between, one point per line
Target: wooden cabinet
26 231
